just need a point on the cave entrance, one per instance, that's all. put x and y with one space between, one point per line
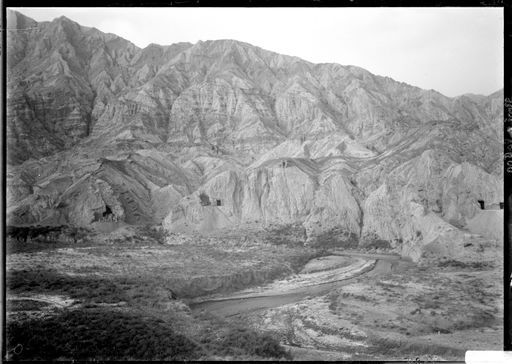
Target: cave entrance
108 212
219 202
106 215
482 204
501 205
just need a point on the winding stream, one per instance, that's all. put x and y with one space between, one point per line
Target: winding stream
309 286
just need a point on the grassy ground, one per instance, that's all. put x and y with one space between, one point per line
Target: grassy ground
119 296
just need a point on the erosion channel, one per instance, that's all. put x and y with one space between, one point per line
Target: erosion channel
304 285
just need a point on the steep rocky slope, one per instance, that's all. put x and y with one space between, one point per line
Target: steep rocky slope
101 130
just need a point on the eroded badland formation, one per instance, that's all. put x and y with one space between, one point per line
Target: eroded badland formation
219 137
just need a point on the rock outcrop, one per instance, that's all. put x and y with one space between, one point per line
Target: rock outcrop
99 130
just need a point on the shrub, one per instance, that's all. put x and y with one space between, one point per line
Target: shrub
240 341
378 244
90 289
35 238
387 347
99 335
157 233
204 199
290 235
336 238
464 265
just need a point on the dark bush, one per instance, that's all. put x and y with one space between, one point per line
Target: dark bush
35 238
291 235
97 334
336 238
157 233
378 244
89 289
44 233
240 341
204 199
464 265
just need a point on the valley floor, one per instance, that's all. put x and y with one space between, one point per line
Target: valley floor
136 294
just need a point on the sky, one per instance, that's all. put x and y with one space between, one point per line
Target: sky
451 50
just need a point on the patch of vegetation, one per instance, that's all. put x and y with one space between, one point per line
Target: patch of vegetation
440 330
291 235
390 348
332 298
336 238
23 233
156 233
25 305
332 330
185 269
377 244
478 318
237 341
23 239
204 199
233 338
465 265
98 334
357 297
387 285
145 291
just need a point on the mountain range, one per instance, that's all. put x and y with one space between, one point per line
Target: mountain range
102 131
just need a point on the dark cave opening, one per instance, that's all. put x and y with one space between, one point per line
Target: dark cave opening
108 211
482 204
104 216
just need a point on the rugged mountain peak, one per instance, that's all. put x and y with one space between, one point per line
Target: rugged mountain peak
64 19
269 137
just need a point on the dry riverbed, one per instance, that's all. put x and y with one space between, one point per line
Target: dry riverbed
431 312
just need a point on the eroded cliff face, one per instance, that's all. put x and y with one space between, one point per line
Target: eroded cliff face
99 130
411 215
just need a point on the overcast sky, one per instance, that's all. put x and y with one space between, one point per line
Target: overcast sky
451 50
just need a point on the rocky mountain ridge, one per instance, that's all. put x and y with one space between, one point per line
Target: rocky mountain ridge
99 129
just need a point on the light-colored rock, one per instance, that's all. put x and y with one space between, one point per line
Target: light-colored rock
488 223
96 125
